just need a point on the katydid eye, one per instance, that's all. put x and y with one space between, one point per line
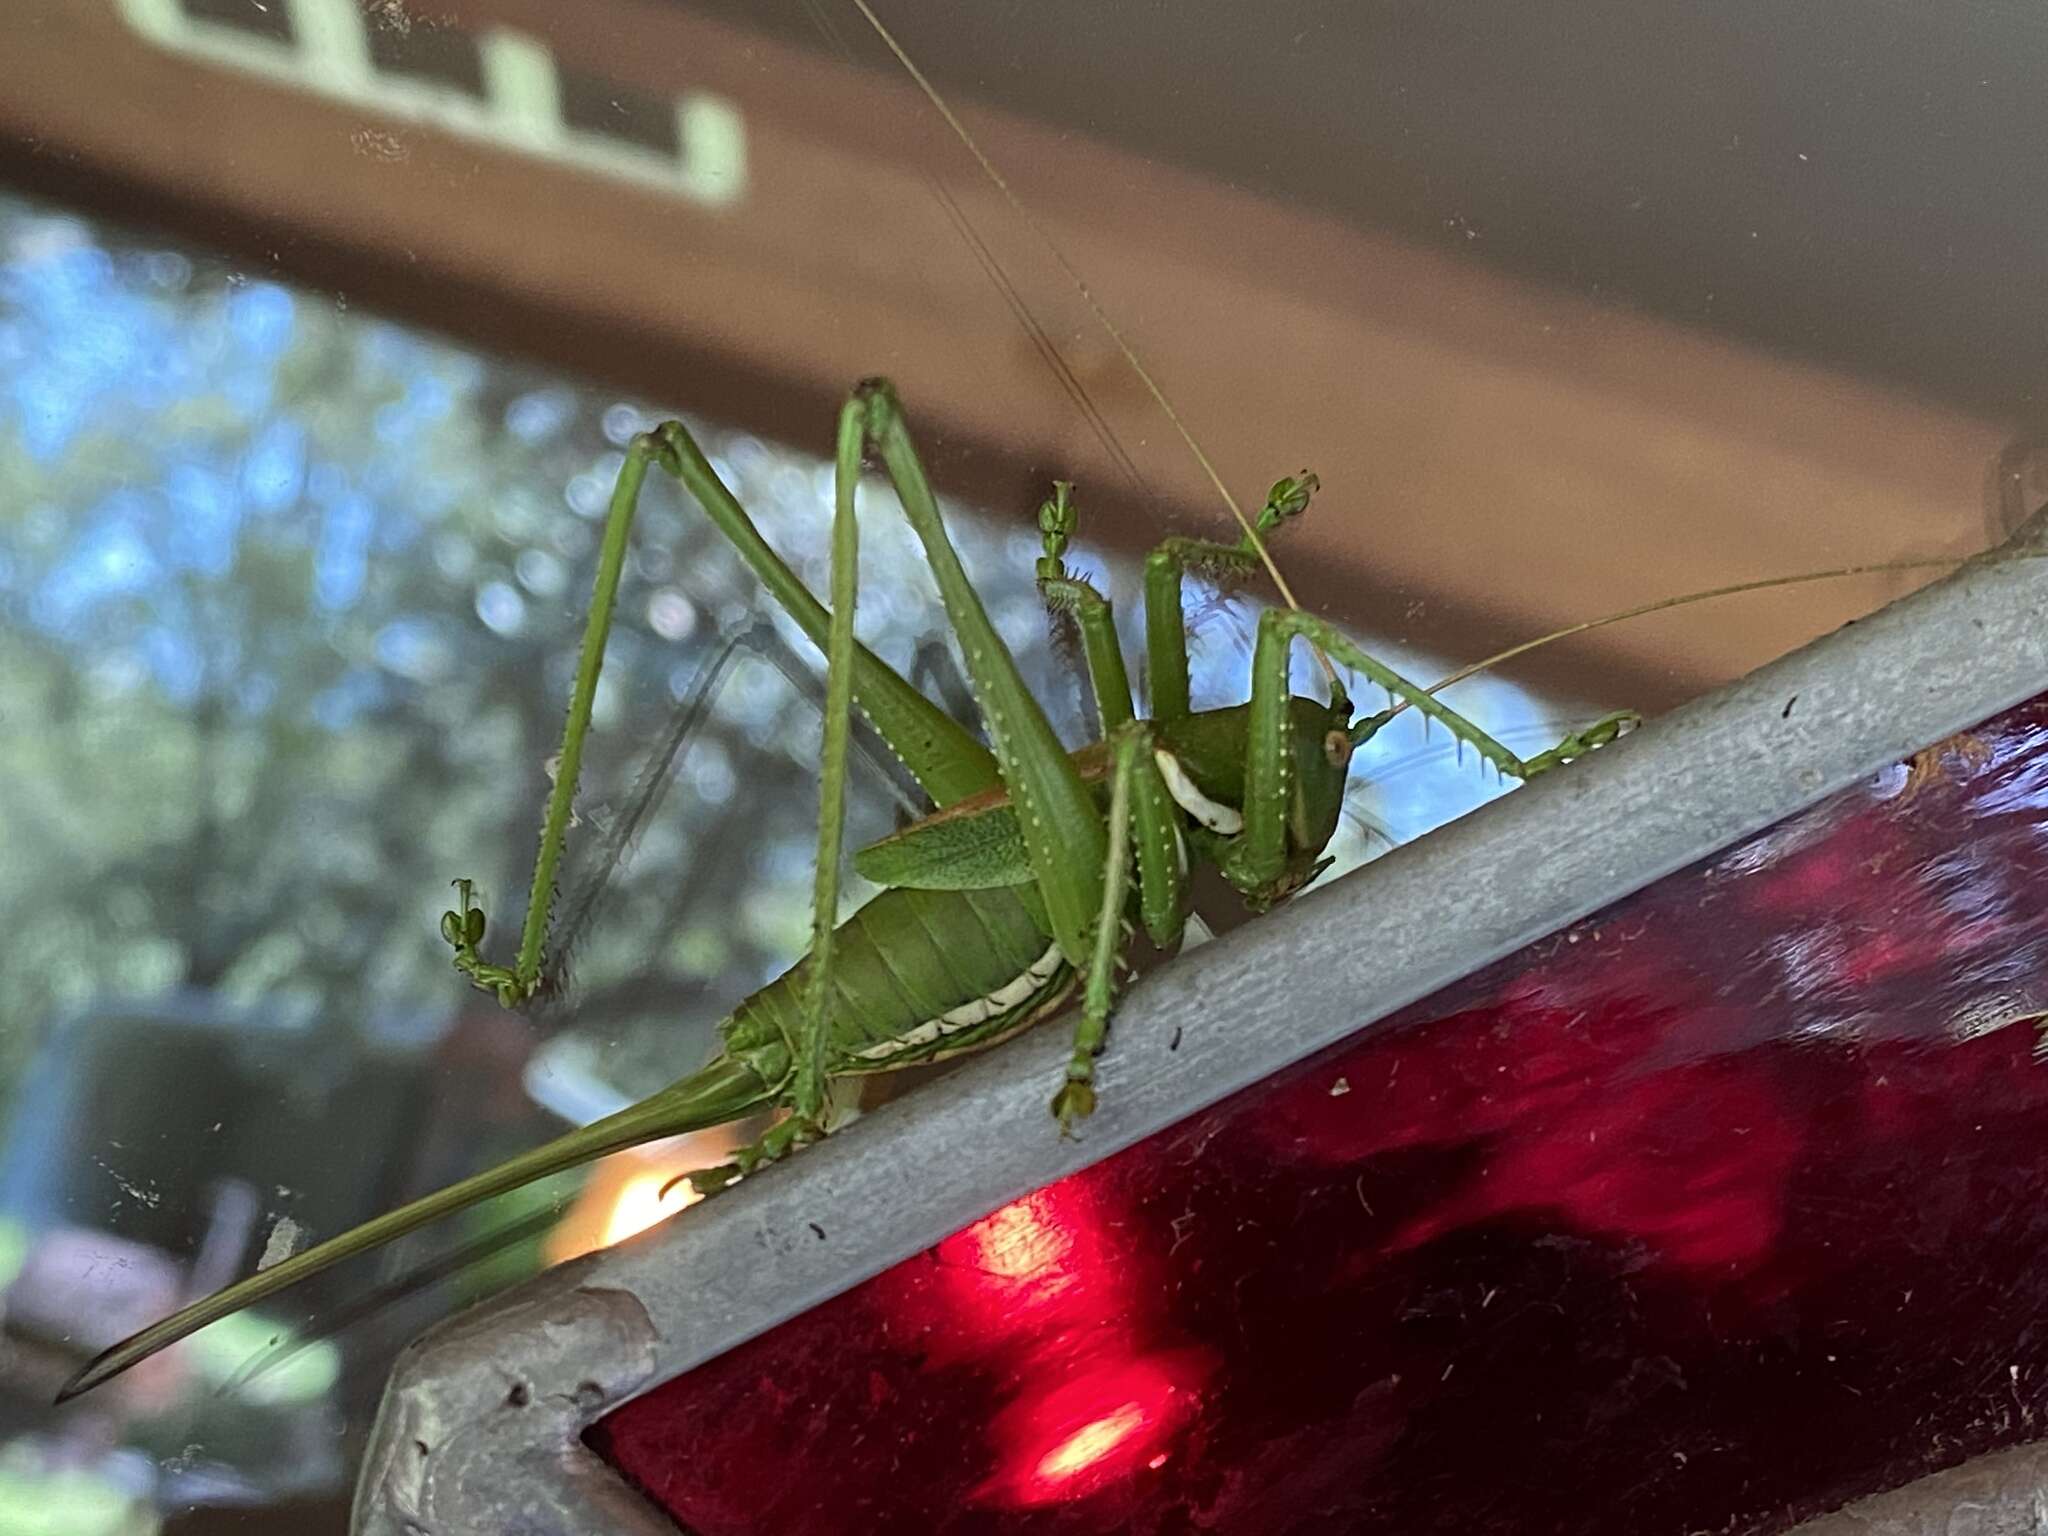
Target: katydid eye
1337 748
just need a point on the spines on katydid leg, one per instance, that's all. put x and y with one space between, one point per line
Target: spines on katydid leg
1229 566
1062 825
1574 745
1076 1097
1278 628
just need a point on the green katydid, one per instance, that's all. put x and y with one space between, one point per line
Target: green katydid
1019 888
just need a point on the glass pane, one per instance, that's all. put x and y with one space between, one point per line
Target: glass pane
322 324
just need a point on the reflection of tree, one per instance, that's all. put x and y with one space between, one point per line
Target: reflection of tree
288 602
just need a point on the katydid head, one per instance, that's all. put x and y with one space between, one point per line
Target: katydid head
1317 742
1322 770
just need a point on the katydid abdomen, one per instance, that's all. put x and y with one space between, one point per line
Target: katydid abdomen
917 975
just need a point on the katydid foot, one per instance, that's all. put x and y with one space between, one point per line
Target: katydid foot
776 1143
463 928
1579 743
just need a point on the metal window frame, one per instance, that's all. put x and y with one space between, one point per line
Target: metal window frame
481 1423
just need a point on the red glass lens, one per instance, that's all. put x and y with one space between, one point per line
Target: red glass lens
1709 1212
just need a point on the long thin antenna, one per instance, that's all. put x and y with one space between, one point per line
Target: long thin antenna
1109 326
1642 610
2010 474
1041 340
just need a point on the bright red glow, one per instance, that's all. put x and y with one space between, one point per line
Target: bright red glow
1034 1268
1090 1444
1717 1169
1039 1280
1072 1440
1022 1241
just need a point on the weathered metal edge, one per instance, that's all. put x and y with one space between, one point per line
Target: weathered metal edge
2001 1493
479 1429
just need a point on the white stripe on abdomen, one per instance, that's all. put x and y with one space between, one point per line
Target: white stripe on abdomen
979 1010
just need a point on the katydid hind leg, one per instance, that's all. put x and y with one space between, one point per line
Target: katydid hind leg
811 1050
944 757
464 927
941 754
1063 828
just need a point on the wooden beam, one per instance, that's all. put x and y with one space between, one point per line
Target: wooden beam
1499 459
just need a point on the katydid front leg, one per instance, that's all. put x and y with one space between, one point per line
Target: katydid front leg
1166 568
1140 799
1256 862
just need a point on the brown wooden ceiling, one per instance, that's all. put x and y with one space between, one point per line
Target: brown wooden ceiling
1502 453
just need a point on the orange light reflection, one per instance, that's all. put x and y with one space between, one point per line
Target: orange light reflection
642 1202
623 1196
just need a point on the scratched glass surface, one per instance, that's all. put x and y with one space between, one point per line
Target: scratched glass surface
1707 1213
288 590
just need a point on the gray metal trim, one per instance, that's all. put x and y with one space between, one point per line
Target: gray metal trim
478 1431
2004 1493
